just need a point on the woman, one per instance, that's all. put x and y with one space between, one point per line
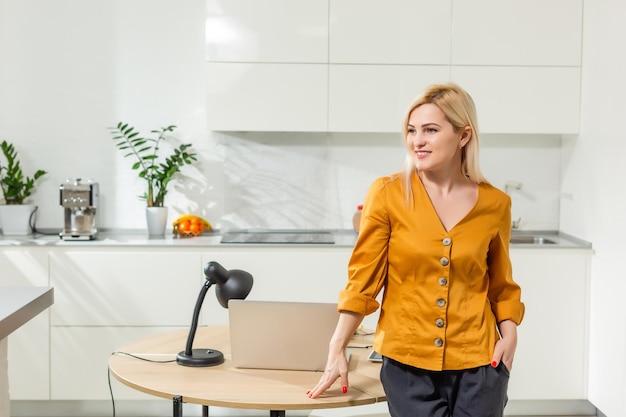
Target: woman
436 239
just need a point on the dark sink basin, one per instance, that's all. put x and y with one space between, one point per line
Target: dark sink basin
532 240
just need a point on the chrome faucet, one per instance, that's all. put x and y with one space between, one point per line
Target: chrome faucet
515 185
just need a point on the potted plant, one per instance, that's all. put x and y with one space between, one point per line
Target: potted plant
152 167
16 187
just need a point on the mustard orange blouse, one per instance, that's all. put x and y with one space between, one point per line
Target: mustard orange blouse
444 291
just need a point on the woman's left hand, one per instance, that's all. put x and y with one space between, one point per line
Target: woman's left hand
505 347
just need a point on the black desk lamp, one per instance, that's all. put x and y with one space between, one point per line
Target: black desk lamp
229 284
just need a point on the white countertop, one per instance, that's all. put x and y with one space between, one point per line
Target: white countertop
343 238
20 304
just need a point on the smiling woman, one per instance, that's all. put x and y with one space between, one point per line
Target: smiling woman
435 239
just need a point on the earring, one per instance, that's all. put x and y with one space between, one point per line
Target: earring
460 146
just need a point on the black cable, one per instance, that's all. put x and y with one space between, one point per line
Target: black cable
33 228
132 356
142 359
111 392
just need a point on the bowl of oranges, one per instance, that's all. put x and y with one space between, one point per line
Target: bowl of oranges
190 225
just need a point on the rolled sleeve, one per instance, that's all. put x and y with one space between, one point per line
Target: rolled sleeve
356 303
509 310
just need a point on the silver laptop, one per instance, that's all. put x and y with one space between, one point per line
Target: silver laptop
281 335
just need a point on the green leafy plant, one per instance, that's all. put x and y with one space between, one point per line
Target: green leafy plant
16 187
157 172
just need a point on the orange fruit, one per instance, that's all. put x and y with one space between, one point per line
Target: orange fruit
184 226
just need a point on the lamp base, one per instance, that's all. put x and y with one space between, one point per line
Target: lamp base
200 357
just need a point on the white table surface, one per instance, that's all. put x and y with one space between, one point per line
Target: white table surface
17 306
20 304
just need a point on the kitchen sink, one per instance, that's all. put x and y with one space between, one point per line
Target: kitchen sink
532 240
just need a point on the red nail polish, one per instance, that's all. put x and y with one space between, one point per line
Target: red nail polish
494 364
308 392
344 389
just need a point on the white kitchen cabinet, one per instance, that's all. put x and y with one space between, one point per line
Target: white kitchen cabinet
124 287
552 339
267 97
80 356
521 67
267 31
551 358
28 346
285 274
542 100
528 33
107 298
401 32
374 98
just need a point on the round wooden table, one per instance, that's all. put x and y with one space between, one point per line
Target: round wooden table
226 386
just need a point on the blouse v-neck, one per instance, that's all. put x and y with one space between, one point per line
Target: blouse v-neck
425 197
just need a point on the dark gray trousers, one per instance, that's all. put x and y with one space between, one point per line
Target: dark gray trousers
414 392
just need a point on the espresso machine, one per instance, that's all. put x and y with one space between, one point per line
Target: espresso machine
79 201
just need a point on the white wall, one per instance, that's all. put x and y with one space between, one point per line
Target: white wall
72 68
593 204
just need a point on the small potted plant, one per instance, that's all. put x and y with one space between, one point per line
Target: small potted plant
16 188
152 167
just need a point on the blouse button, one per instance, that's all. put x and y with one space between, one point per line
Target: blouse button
439 323
443 281
447 241
441 302
444 261
438 342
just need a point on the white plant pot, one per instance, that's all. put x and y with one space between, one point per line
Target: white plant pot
156 217
15 219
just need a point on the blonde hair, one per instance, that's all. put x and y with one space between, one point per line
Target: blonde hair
459 109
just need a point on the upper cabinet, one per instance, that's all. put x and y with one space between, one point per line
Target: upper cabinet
510 99
374 98
394 32
267 31
356 65
528 33
521 66
267 65
267 97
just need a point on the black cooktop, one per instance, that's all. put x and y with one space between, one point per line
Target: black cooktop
296 237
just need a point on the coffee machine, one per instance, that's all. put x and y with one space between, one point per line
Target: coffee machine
79 201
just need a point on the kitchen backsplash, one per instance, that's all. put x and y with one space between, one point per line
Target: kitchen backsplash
311 181
288 180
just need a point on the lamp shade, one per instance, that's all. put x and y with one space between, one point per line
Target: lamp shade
230 284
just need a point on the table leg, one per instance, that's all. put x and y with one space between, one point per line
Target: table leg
178 406
5 402
178 409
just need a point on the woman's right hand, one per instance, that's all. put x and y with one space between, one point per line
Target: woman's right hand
337 364
336 367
